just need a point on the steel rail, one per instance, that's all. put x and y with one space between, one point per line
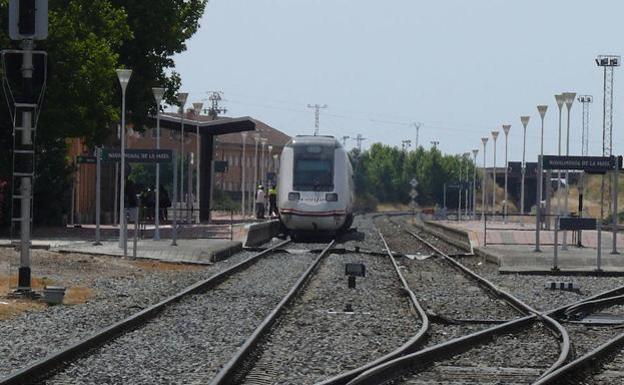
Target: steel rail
560 332
392 369
39 369
228 374
575 371
407 347
589 307
395 368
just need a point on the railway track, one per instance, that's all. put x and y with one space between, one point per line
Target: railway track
207 318
465 347
315 339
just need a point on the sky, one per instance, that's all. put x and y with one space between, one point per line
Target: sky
461 68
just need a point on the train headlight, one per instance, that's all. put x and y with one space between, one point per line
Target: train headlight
293 196
331 197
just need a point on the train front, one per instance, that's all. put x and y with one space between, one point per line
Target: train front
311 187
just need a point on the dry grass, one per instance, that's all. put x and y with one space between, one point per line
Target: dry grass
11 307
165 266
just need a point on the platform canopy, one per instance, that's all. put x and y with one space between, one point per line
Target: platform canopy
208 129
207 126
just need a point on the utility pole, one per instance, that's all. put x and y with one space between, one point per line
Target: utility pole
435 143
417 126
359 139
317 116
344 140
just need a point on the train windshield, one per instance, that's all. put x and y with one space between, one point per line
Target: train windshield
313 174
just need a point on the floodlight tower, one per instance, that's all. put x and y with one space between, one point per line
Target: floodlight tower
317 116
608 62
585 101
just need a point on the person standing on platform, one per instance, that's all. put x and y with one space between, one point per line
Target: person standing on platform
260 201
273 201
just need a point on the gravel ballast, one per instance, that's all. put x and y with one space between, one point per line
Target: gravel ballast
316 340
191 340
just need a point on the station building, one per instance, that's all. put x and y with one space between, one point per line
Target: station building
222 141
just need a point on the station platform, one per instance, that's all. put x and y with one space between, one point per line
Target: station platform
196 244
512 245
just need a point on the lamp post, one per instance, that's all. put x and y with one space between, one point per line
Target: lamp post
269 157
542 112
197 107
263 142
506 128
124 78
256 137
467 192
158 95
459 189
475 152
242 164
182 96
569 100
560 100
484 140
525 122
494 136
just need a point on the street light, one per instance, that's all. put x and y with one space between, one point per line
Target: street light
525 122
506 128
269 155
540 180
124 78
560 100
158 92
256 137
569 100
197 107
466 193
475 152
484 140
182 96
263 141
494 136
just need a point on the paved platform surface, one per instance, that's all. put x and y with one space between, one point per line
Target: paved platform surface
513 244
198 251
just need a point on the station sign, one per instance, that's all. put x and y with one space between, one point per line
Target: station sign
585 163
577 223
85 159
138 156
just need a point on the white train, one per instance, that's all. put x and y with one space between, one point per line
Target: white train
315 186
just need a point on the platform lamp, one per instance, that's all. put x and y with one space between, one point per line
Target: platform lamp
158 92
494 136
568 98
197 107
475 152
506 128
560 100
124 78
182 96
484 140
269 157
263 142
525 122
242 164
542 108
